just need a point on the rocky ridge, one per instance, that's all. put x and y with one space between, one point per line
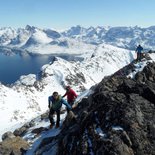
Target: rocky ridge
116 119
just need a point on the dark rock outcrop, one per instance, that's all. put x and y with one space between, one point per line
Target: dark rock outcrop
13 146
117 119
8 134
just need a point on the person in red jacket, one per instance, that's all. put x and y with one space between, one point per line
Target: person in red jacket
71 95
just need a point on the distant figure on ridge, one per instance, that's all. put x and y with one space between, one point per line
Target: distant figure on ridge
55 102
71 95
139 52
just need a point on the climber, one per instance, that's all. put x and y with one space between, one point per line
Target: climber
55 102
71 96
139 52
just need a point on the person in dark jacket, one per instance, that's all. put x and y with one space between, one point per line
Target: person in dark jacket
55 102
139 52
71 96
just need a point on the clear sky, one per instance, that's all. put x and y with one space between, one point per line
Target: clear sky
62 14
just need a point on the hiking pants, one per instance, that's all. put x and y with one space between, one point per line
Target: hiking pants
51 113
139 56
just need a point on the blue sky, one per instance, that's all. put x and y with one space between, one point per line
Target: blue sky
61 14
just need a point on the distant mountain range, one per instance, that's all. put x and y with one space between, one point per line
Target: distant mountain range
36 40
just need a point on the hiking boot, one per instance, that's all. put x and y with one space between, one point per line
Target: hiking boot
57 125
51 126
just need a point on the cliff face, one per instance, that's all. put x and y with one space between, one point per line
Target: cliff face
117 119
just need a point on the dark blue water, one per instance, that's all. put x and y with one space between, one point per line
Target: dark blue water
15 65
12 67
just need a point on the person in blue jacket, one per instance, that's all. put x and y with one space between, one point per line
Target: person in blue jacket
55 102
139 52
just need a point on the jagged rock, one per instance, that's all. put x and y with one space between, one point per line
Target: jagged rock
31 123
45 115
13 146
117 101
45 145
117 119
20 131
148 73
120 147
70 118
8 134
39 130
147 57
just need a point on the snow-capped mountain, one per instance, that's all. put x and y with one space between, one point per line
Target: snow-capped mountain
40 41
125 37
36 40
27 98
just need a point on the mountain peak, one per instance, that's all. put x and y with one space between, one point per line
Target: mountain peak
30 28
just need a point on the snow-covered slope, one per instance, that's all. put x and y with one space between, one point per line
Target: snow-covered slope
105 60
27 98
